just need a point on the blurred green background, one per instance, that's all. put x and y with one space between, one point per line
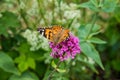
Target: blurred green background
25 54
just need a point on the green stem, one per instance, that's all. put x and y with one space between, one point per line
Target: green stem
41 11
51 74
60 15
84 14
53 12
22 14
92 24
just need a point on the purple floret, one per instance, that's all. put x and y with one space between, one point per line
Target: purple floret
66 49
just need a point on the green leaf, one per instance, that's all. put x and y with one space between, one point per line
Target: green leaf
21 63
31 62
47 73
61 70
109 5
7 21
7 64
92 5
95 29
89 50
92 67
25 62
25 76
95 2
39 55
53 64
84 31
96 40
87 63
105 5
24 48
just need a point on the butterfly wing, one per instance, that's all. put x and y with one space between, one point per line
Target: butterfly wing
59 34
64 35
54 34
56 30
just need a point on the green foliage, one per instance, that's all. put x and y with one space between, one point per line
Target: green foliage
109 5
56 67
25 62
97 28
53 64
92 5
100 5
24 76
89 50
8 20
85 31
90 65
86 40
96 40
7 64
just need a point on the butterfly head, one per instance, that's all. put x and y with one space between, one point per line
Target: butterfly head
41 30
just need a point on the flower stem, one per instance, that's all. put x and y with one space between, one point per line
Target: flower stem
23 14
53 12
41 11
60 12
54 70
92 24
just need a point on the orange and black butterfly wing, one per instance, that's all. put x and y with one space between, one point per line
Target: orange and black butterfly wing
63 35
56 31
54 34
47 33
59 34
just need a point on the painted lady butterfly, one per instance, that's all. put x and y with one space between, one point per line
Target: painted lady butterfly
55 34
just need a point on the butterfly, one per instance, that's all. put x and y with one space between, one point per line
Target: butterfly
55 34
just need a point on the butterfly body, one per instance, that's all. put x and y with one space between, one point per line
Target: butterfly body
55 34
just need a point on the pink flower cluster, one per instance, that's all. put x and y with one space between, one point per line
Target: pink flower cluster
66 49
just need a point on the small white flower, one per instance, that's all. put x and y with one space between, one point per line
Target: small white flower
36 40
64 6
33 9
70 14
49 16
73 6
42 22
22 5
